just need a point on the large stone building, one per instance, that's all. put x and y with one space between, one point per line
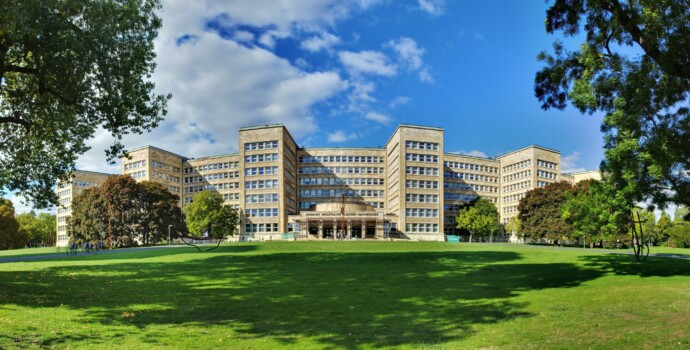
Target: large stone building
410 187
81 180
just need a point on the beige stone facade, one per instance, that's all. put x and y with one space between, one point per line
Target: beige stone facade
410 188
66 191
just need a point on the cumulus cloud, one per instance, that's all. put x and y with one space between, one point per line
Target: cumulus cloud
432 7
340 136
320 42
399 101
409 56
379 118
367 62
569 163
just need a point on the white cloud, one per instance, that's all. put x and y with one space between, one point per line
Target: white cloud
340 136
478 36
367 62
379 118
408 51
568 163
473 153
320 42
409 55
432 7
399 101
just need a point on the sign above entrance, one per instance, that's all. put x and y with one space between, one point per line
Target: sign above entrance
337 214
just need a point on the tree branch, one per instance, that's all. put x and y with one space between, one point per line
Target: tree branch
18 69
630 24
16 120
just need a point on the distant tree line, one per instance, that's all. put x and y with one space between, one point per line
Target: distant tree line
27 229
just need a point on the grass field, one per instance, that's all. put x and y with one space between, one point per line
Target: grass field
348 295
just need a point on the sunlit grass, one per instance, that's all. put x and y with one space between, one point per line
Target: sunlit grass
316 295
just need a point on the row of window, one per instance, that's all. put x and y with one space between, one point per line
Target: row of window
414 227
261 213
210 177
518 165
135 165
173 189
421 198
339 181
165 166
257 158
65 193
138 174
421 212
517 186
546 174
510 209
513 198
340 193
65 210
469 187
470 166
268 170
465 176
212 187
226 197
460 196
214 166
421 184
517 176
416 157
164 176
432 146
261 198
255 146
542 184
341 159
255 228
419 170
89 183
341 170
545 164
252 185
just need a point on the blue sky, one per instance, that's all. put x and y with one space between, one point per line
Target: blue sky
346 73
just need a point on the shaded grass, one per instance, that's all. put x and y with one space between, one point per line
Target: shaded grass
345 295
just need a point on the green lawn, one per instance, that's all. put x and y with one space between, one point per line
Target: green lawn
349 295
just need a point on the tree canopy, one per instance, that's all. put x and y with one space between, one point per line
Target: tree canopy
11 236
540 212
208 215
634 66
479 217
123 212
68 68
40 228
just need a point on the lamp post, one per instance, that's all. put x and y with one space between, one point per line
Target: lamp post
169 240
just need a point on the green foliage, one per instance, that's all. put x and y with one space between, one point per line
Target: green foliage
663 228
123 212
540 212
479 217
679 234
41 228
68 68
207 214
11 237
513 225
635 67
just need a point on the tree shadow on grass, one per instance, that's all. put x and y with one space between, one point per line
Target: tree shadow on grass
339 300
623 264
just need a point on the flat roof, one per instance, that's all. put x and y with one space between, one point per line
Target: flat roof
213 157
530 146
92 172
157 149
343 148
469 156
267 126
414 127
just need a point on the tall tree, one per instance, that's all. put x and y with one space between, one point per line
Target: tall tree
208 215
11 237
634 66
663 228
479 217
159 209
540 212
40 228
68 68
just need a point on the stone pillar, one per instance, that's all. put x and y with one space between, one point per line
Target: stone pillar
379 229
335 229
349 229
305 228
364 228
320 228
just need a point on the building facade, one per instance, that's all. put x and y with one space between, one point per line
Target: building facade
410 187
81 180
